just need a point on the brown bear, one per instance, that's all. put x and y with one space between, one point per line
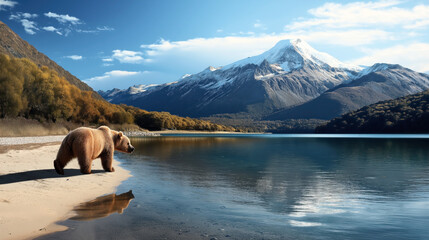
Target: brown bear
88 144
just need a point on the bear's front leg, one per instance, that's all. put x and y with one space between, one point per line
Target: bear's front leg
106 161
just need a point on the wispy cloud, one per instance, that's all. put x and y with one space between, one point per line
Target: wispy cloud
74 57
415 56
105 28
114 73
224 50
29 26
116 78
127 56
364 14
21 15
258 24
107 59
52 29
63 18
23 18
7 3
121 79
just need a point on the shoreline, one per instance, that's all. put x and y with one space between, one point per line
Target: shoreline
33 197
166 132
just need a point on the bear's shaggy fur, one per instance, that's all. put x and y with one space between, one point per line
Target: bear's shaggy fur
88 144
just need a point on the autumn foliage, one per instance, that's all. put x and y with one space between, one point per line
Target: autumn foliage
39 93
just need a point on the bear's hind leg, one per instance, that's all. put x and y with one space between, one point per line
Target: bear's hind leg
85 164
58 168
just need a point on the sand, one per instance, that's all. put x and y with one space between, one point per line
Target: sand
33 196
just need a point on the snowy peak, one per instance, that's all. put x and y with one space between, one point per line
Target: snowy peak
377 68
293 54
140 88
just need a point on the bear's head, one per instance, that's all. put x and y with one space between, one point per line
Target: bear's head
122 142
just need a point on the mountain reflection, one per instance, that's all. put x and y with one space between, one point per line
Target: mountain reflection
103 206
292 175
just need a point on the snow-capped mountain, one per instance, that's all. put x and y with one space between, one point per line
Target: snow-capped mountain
288 75
293 54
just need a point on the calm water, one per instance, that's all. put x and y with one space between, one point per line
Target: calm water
265 187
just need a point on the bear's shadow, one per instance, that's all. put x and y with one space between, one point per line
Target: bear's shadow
39 175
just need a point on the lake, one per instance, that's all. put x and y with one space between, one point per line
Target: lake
265 187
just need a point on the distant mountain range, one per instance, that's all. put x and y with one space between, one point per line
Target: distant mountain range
383 82
292 80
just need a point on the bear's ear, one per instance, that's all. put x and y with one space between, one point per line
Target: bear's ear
120 134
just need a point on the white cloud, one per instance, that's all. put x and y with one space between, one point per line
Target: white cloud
107 59
219 30
86 31
363 14
105 28
259 25
414 56
119 79
74 57
124 79
356 37
52 29
63 18
20 15
219 51
7 3
127 56
113 74
29 26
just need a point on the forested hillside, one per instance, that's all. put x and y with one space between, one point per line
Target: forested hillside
408 114
40 93
13 45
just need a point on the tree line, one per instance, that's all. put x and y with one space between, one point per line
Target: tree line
30 91
409 114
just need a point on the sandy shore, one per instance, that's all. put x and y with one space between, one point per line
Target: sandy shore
33 196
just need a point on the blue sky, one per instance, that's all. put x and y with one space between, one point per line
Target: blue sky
114 43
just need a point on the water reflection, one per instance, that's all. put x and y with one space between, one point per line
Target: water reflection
286 175
103 206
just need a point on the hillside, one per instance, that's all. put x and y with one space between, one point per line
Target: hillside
41 93
13 45
408 114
